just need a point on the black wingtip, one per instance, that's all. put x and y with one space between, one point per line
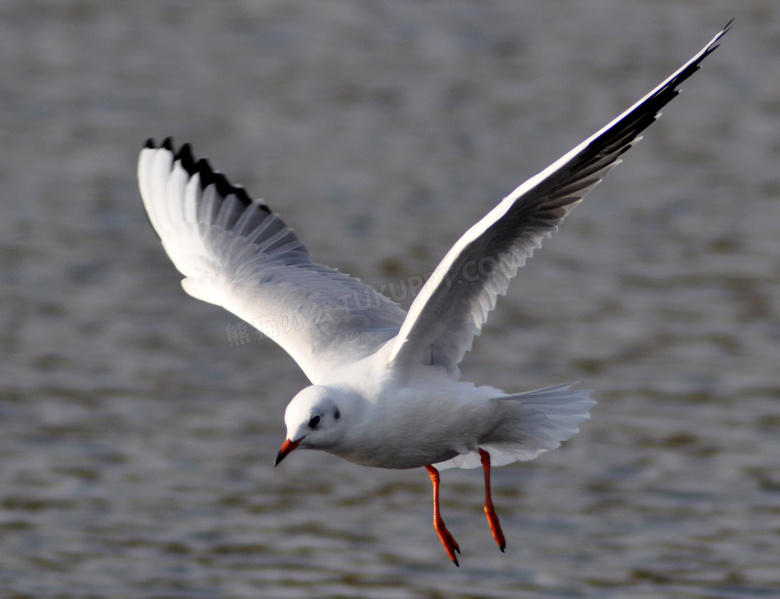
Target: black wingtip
714 44
721 33
203 168
184 156
242 194
208 176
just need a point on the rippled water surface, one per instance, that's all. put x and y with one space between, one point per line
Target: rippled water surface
136 445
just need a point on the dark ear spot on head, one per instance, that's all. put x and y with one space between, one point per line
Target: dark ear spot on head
337 415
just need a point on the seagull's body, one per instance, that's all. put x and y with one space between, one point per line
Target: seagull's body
386 389
428 418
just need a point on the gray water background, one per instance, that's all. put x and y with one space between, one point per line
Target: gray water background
136 445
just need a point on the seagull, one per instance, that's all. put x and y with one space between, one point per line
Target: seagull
385 384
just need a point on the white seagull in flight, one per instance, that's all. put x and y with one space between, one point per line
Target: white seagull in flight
385 384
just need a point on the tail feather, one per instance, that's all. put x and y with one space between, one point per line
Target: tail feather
529 424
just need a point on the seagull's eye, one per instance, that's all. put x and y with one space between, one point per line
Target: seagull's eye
314 421
337 415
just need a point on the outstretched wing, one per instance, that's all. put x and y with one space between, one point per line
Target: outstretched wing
234 252
456 300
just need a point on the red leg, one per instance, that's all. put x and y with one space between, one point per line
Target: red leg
450 545
490 512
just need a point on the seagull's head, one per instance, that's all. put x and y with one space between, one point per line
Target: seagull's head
313 420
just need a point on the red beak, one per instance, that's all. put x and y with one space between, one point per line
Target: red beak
286 448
